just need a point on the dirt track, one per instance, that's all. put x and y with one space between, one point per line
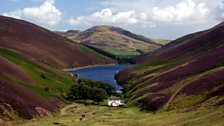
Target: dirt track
63 110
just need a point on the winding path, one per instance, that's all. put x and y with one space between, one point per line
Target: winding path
63 110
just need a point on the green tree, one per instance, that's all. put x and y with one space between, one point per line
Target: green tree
86 89
74 92
86 81
106 86
98 95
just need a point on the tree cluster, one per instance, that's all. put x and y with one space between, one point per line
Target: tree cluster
85 89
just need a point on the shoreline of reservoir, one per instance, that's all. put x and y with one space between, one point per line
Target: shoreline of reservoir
89 66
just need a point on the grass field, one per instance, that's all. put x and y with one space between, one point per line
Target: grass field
91 115
124 53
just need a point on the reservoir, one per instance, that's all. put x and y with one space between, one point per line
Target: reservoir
102 73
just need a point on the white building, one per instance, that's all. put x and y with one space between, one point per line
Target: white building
115 101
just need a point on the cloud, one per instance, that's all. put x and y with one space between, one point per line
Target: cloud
45 14
183 12
220 11
106 16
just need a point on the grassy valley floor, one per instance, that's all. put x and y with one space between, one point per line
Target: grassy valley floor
92 115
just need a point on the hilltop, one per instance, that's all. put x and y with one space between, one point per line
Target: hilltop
44 46
114 40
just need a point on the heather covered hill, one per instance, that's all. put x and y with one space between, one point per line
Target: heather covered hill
186 74
17 99
114 40
31 60
44 46
28 89
189 45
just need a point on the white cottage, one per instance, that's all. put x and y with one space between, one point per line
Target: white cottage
114 101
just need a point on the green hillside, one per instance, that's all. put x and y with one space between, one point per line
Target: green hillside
46 82
114 40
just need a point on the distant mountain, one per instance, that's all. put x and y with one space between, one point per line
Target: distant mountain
114 40
71 34
185 74
31 60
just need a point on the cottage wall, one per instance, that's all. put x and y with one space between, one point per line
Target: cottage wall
114 103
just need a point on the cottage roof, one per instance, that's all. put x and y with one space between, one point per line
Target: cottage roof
114 98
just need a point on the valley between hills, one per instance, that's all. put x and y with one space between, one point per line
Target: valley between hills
177 82
131 116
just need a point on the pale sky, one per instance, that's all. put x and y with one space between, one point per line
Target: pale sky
165 19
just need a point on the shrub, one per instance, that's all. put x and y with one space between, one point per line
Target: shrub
43 76
86 89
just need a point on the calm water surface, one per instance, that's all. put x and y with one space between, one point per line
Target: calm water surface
102 73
